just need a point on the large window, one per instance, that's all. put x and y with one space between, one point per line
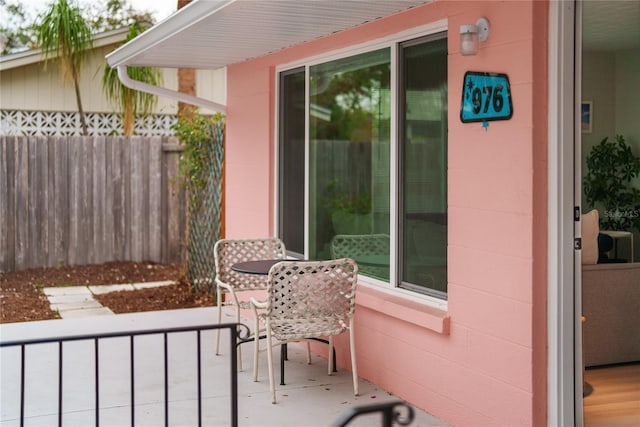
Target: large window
374 193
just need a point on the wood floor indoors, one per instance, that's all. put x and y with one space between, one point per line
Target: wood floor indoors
615 399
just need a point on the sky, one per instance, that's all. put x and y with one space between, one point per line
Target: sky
159 8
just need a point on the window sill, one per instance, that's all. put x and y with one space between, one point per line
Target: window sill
401 308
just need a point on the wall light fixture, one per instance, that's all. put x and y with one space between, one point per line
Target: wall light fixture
471 35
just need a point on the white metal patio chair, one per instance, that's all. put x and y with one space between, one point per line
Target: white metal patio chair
228 252
307 300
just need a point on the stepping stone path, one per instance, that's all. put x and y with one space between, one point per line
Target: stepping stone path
73 302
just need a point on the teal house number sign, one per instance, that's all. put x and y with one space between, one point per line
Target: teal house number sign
485 97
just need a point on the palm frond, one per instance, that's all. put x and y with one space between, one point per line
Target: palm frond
130 101
63 33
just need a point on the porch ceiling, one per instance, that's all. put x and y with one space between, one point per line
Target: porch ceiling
211 34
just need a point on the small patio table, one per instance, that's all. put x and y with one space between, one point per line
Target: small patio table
255 267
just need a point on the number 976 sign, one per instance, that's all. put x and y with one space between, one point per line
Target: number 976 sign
485 97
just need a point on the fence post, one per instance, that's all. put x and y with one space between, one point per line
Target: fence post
174 206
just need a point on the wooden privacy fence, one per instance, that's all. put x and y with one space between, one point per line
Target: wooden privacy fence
89 200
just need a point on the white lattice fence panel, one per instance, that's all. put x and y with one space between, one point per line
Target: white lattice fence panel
156 124
57 123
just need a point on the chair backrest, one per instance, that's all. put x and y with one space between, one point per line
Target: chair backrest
228 252
312 289
353 245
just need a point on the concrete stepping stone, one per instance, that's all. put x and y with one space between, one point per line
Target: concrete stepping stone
105 289
153 284
66 290
75 305
68 299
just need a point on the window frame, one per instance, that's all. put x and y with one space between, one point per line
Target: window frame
392 42
279 173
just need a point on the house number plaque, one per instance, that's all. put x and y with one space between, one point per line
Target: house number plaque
485 97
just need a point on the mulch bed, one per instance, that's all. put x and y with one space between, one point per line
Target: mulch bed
22 300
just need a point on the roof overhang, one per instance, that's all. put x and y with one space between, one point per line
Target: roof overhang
32 56
211 34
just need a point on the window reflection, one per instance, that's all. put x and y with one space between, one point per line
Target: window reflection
349 139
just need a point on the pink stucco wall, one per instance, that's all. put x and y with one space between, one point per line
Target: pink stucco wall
483 362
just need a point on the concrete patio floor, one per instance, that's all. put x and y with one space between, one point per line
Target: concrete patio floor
310 398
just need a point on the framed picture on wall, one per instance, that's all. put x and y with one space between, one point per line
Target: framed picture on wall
586 116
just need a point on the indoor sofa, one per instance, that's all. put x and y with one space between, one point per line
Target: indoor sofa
611 308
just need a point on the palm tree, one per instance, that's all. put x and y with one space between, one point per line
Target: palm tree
131 101
65 34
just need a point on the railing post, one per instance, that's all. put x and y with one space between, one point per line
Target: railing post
199 357
22 368
133 400
60 384
97 374
234 375
166 381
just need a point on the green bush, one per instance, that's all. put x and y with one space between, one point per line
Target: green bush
196 135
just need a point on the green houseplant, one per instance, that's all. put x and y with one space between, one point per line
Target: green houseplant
608 184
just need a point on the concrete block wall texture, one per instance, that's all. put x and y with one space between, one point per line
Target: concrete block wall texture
484 370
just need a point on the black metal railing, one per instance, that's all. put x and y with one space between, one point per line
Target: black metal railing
392 412
237 331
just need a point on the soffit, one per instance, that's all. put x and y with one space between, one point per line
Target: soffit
210 34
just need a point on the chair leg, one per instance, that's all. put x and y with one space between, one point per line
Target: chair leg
256 348
239 346
219 306
354 367
308 353
283 357
272 385
330 361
